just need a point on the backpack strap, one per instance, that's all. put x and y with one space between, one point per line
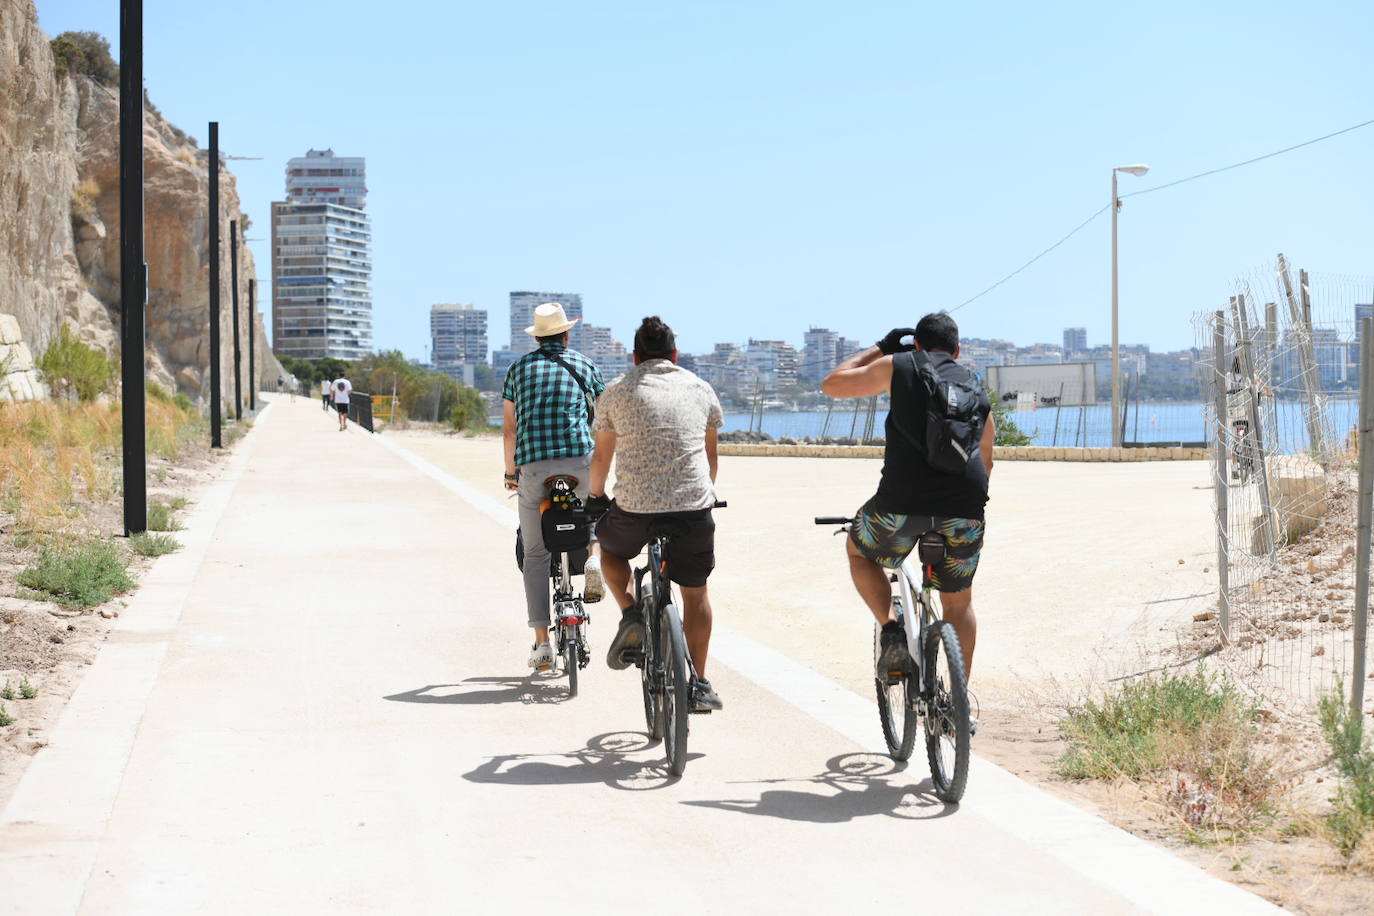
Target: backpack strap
586 392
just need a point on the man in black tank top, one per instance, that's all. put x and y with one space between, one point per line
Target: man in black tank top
914 497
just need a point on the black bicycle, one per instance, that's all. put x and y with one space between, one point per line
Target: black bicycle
566 529
665 665
932 688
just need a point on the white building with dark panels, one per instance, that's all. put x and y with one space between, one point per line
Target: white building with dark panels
458 335
522 306
322 260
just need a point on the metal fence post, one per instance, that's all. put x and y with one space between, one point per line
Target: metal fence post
1366 507
1220 484
1307 359
1256 444
252 340
133 271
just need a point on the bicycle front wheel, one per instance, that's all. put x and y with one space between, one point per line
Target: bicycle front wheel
674 699
896 711
947 726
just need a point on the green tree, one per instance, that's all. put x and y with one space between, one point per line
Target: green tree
470 412
1008 433
85 53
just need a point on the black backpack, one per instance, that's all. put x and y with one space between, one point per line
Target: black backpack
954 421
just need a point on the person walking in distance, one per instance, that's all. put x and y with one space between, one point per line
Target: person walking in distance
342 388
547 406
659 423
934 478
324 394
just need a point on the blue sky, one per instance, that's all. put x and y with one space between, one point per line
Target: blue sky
752 168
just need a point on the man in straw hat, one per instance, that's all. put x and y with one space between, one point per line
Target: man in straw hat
547 401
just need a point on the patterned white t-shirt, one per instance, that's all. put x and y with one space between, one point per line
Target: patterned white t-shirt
660 413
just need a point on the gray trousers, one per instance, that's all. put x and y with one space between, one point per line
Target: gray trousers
532 493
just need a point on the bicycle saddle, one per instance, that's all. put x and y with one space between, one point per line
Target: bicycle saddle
553 481
667 527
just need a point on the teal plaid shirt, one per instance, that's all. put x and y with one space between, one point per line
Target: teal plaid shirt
550 410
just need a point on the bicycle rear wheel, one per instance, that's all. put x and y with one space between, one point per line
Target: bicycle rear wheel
896 711
674 700
571 661
947 724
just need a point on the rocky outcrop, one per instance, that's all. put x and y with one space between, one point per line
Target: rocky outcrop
19 379
59 220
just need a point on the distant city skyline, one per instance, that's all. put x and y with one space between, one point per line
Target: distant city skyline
828 167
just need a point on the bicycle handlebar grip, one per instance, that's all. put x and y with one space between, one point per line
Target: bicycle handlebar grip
720 504
833 519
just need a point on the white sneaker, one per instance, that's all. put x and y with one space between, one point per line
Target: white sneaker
541 657
593 586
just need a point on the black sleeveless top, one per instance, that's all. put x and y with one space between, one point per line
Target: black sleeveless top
909 485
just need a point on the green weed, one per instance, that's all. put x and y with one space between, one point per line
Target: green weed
147 544
27 690
5 717
1192 736
83 575
7 692
1353 816
160 518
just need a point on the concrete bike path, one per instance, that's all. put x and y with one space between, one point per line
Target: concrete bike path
321 706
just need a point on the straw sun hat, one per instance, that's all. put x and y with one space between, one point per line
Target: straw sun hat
549 320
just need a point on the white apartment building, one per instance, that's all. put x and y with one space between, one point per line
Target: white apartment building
458 337
522 306
322 260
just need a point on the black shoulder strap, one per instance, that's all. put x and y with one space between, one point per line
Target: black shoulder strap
558 358
586 392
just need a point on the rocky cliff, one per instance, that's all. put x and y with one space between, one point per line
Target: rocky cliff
59 220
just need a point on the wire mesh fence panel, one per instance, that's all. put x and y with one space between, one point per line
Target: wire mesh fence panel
1284 378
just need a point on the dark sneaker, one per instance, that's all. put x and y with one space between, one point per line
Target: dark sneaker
628 640
893 659
704 697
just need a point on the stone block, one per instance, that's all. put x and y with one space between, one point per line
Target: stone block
9 329
20 359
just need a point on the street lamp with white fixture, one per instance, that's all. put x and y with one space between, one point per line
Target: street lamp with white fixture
1116 341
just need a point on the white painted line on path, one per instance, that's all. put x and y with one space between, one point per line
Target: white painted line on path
1144 874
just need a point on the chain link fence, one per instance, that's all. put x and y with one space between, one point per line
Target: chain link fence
1283 380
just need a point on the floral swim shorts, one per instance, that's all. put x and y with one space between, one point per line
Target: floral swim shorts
887 538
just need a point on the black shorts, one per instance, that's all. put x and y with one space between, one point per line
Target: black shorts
341 408
691 555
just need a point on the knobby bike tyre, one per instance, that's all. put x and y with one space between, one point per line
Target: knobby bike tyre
675 700
896 711
947 711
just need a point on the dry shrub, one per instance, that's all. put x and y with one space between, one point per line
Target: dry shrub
55 453
1191 740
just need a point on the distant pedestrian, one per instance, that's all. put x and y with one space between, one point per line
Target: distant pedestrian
342 387
324 394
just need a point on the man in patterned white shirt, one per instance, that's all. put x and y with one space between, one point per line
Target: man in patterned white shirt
659 422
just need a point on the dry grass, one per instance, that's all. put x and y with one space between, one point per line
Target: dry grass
57 456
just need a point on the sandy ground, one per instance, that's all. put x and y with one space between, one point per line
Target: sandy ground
1090 572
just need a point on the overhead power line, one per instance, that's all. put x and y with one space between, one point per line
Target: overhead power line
1173 184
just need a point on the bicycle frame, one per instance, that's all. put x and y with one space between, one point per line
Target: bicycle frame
918 605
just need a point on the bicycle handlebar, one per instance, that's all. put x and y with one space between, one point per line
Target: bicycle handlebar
720 504
834 519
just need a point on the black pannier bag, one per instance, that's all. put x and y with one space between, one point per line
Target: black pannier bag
565 531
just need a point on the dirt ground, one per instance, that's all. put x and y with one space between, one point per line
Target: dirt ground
1091 573
51 645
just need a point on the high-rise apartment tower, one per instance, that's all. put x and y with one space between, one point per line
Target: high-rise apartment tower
522 306
322 259
459 337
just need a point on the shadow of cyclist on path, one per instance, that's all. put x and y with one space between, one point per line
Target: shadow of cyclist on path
859 785
605 759
525 689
